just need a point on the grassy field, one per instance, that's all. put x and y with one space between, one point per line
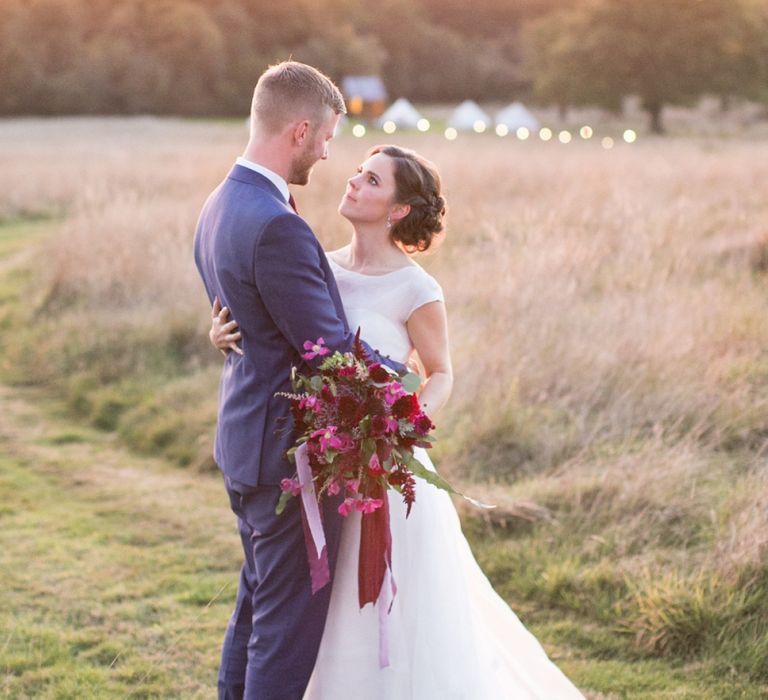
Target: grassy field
607 314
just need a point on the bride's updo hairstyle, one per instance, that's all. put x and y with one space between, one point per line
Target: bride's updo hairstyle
417 183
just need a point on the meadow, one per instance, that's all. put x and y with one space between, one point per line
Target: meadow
607 318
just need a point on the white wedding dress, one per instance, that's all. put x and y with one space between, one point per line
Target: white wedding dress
451 637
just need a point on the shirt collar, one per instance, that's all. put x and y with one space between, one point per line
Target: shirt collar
273 177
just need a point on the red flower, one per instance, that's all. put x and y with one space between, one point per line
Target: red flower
406 407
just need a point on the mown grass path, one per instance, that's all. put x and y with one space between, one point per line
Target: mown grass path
109 563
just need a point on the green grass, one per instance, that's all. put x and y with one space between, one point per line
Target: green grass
109 565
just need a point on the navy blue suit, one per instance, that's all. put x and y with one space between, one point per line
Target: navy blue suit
263 262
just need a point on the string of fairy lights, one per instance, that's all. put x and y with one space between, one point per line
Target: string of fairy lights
564 136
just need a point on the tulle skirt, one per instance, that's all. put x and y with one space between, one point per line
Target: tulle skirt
451 637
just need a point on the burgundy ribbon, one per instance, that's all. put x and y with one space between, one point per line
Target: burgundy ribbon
374 574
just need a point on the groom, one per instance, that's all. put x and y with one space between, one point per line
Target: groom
262 261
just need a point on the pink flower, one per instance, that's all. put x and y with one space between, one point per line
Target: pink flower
316 349
352 485
374 466
291 485
392 392
368 505
334 488
309 402
346 507
328 438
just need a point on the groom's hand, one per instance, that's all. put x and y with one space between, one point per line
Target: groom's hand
221 333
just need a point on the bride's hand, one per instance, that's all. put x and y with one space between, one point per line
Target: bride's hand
223 334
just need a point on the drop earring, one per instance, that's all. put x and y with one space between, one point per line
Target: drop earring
389 221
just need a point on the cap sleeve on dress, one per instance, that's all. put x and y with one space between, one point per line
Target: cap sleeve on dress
424 289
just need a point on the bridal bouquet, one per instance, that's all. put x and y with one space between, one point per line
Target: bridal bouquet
358 422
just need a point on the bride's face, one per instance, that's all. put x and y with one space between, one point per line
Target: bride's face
369 197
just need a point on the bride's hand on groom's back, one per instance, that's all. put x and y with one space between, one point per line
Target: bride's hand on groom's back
223 334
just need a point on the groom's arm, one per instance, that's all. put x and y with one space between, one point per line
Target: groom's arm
293 287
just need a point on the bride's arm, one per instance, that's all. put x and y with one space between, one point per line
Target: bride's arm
428 329
223 334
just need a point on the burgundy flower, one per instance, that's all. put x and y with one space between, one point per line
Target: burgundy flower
423 424
346 372
349 410
378 374
406 407
379 426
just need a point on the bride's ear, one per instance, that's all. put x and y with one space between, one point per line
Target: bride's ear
400 211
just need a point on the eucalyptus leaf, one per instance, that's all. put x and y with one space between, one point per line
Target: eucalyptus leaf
435 479
411 382
283 501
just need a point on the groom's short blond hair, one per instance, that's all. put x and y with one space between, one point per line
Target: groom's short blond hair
290 91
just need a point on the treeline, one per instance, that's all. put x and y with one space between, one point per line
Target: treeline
201 57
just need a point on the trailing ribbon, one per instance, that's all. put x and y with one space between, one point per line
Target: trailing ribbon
375 582
314 535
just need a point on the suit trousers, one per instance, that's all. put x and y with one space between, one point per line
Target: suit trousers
274 633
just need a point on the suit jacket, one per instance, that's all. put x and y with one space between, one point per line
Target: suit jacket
265 264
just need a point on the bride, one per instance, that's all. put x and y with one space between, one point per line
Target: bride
450 635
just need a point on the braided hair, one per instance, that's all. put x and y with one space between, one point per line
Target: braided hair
417 183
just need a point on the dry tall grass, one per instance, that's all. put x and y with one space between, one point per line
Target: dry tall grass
607 314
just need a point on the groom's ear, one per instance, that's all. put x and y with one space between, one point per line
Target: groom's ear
301 132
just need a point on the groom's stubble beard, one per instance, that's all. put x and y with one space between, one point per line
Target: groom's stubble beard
301 169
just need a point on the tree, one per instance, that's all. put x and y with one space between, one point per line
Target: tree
664 52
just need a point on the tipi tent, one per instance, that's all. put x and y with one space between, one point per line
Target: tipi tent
517 115
402 113
467 114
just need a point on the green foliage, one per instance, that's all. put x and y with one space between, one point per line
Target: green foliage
193 57
663 52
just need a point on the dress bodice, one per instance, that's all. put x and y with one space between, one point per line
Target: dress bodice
380 305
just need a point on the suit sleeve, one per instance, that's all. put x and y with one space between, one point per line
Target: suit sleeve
293 287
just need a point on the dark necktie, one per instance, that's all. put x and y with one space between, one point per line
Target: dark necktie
292 202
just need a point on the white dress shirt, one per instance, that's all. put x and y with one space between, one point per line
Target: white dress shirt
273 177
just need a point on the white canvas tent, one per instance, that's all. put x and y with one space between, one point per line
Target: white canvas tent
402 113
467 114
517 115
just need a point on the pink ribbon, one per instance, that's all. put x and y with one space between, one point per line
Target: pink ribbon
385 600
318 564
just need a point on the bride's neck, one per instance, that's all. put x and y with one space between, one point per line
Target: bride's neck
373 249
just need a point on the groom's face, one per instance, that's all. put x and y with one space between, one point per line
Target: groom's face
315 148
